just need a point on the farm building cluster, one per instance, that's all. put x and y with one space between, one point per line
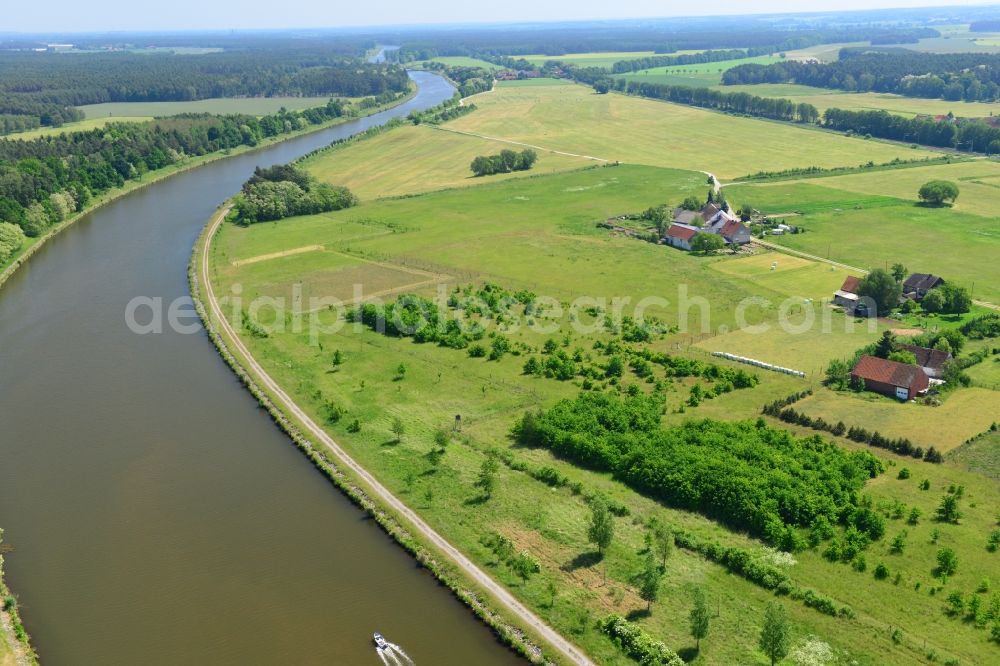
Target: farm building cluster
915 287
904 381
711 219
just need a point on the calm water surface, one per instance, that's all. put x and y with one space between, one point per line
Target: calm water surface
157 515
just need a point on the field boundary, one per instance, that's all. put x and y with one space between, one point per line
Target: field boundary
864 271
370 493
520 143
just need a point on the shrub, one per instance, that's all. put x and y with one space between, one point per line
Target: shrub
637 644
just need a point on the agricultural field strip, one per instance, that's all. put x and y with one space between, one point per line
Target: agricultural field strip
497 590
278 255
519 143
806 255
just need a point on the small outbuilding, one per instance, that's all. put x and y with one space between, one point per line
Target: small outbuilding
847 295
896 380
680 235
931 360
917 285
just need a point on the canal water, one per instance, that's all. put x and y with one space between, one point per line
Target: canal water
157 515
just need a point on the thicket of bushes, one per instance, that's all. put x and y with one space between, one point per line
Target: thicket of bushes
747 475
283 191
637 644
983 326
504 162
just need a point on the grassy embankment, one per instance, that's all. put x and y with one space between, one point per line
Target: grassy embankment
538 233
15 644
31 245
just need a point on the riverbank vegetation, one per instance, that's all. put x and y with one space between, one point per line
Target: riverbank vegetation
48 181
15 644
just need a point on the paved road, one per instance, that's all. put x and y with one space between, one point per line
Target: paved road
572 653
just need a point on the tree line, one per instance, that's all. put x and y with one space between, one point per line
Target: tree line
661 36
747 475
504 162
47 86
740 103
45 180
649 62
952 76
971 134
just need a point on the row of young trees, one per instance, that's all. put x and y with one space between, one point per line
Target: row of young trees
746 475
950 76
504 162
44 180
740 103
719 55
901 445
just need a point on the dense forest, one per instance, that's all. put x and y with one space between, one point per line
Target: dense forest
44 87
47 179
748 475
663 36
950 76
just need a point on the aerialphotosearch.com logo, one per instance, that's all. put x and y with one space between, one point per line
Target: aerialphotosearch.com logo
319 316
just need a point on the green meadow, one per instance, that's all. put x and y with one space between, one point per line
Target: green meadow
572 118
824 98
701 74
420 158
254 106
852 228
463 61
538 232
605 60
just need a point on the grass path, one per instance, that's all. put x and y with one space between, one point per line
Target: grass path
573 654
519 143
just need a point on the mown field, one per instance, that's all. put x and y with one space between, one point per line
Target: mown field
463 61
539 233
701 74
418 159
79 126
962 415
605 59
254 106
978 182
821 52
876 231
824 98
574 119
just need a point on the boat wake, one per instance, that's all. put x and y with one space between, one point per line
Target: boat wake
398 650
390 653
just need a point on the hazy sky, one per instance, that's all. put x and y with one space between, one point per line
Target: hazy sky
100 15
